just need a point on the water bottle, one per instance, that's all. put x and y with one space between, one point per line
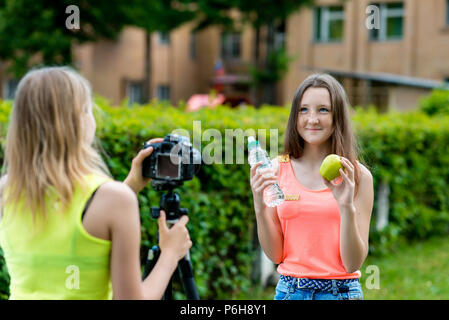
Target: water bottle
272 195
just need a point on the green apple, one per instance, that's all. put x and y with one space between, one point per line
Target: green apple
330 167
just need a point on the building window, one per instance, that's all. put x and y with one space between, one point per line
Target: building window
447 12
9 89
134 92
193 44
164 37
163 92
391 22
328 24
279 35
230 45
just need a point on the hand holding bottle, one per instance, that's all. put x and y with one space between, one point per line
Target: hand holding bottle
272 193
260 180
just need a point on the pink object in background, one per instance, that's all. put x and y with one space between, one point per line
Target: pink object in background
198 101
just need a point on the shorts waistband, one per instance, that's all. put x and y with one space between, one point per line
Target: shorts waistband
317 284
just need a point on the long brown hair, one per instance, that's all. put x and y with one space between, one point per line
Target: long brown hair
46 145
343 141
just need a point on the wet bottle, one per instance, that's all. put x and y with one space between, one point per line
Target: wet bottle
272 195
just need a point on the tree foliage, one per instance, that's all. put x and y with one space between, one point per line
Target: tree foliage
34 32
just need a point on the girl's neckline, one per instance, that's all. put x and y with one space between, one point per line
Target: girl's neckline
301 186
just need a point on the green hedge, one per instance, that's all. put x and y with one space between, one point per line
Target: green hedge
406 150
437 103
409 152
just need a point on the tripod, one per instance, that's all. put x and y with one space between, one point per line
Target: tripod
170 203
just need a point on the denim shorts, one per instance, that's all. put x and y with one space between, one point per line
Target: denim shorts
289 288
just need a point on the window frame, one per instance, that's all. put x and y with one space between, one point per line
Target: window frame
325 17
385 13
164 38
447 13
163 90
228 42
9 88
130 90
193 50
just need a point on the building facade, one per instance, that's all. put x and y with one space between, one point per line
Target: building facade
391 65
385 52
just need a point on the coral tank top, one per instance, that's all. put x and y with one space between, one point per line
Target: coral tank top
310 222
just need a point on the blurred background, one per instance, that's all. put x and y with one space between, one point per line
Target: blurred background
159 65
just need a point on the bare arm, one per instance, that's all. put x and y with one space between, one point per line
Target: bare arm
355 223
125 234
120 204
174 244
269 229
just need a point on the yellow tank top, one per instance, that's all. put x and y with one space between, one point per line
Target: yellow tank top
56 258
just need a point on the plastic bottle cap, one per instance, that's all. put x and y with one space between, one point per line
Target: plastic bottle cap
252 142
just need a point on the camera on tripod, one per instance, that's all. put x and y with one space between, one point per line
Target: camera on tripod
173 161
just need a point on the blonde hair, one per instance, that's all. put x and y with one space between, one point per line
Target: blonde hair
46 145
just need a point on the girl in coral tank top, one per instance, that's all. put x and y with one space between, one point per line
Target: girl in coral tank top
319 235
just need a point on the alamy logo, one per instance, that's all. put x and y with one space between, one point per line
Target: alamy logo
73 20
373 280
220 147
373 20
73 280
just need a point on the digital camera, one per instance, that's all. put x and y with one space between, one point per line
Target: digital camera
173 160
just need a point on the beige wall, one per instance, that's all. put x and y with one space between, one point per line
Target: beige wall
405 99
110 64
432 40
207 51
423 51
173 66
107 64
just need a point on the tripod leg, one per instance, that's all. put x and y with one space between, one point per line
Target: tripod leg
153 256
186 272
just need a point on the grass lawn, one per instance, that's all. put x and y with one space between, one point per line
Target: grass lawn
417 271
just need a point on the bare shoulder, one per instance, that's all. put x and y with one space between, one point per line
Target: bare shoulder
365 174
114 207
366 192
117 188
115 194
113 199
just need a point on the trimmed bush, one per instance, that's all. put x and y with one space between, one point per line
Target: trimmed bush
437 103
407 151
